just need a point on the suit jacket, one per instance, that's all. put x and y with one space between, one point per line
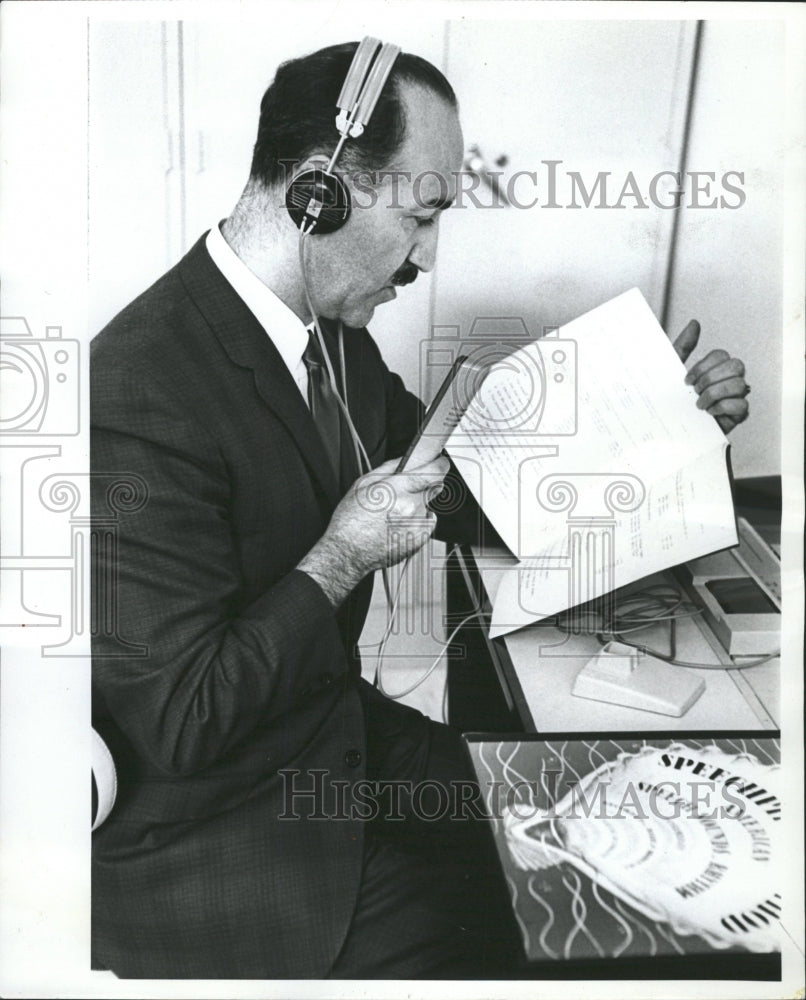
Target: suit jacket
217 666
245 669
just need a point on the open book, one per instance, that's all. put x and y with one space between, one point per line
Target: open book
587 452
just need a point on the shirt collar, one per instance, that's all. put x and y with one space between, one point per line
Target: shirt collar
286 330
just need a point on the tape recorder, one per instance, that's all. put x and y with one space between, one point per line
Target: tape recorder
739 591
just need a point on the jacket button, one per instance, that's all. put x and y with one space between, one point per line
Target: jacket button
352 758
325 679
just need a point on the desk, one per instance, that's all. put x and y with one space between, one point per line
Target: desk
535 669
522 682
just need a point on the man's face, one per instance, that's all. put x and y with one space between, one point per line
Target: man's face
392 231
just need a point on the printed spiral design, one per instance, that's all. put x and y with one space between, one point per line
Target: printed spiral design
624 494
127 494
377 496
450 498
557 494
60 495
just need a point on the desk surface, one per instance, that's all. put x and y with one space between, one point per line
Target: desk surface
539 665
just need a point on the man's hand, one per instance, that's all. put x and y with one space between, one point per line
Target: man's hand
361 536
718 379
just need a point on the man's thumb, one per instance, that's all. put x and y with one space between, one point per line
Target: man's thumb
687 340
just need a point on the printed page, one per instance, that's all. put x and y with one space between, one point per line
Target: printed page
589 455
604 397
678 518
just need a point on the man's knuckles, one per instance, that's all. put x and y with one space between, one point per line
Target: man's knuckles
724 389
732 368
711 360
731 407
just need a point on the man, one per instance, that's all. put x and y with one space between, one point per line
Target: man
246 575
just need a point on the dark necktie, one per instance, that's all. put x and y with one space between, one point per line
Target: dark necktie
323 403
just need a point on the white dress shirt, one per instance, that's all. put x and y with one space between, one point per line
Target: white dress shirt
285 329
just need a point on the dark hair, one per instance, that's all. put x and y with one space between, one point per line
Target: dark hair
298 113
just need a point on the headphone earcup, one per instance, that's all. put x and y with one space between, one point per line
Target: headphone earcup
319 201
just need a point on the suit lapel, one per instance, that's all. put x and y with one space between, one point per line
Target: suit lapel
248 346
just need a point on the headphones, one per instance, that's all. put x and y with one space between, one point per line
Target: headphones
316 199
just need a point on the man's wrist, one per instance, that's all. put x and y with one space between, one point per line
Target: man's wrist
330 565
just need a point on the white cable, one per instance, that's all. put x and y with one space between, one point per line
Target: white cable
649 607
364 464
755 662
343 371
392 616
357 442
402 694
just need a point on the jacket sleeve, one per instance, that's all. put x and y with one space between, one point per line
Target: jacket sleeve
211 667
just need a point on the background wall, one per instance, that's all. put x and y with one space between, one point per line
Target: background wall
170 151
728 264
594 99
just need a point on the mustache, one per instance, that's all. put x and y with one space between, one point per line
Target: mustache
405 274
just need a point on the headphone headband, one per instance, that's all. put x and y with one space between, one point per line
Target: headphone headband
365 80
